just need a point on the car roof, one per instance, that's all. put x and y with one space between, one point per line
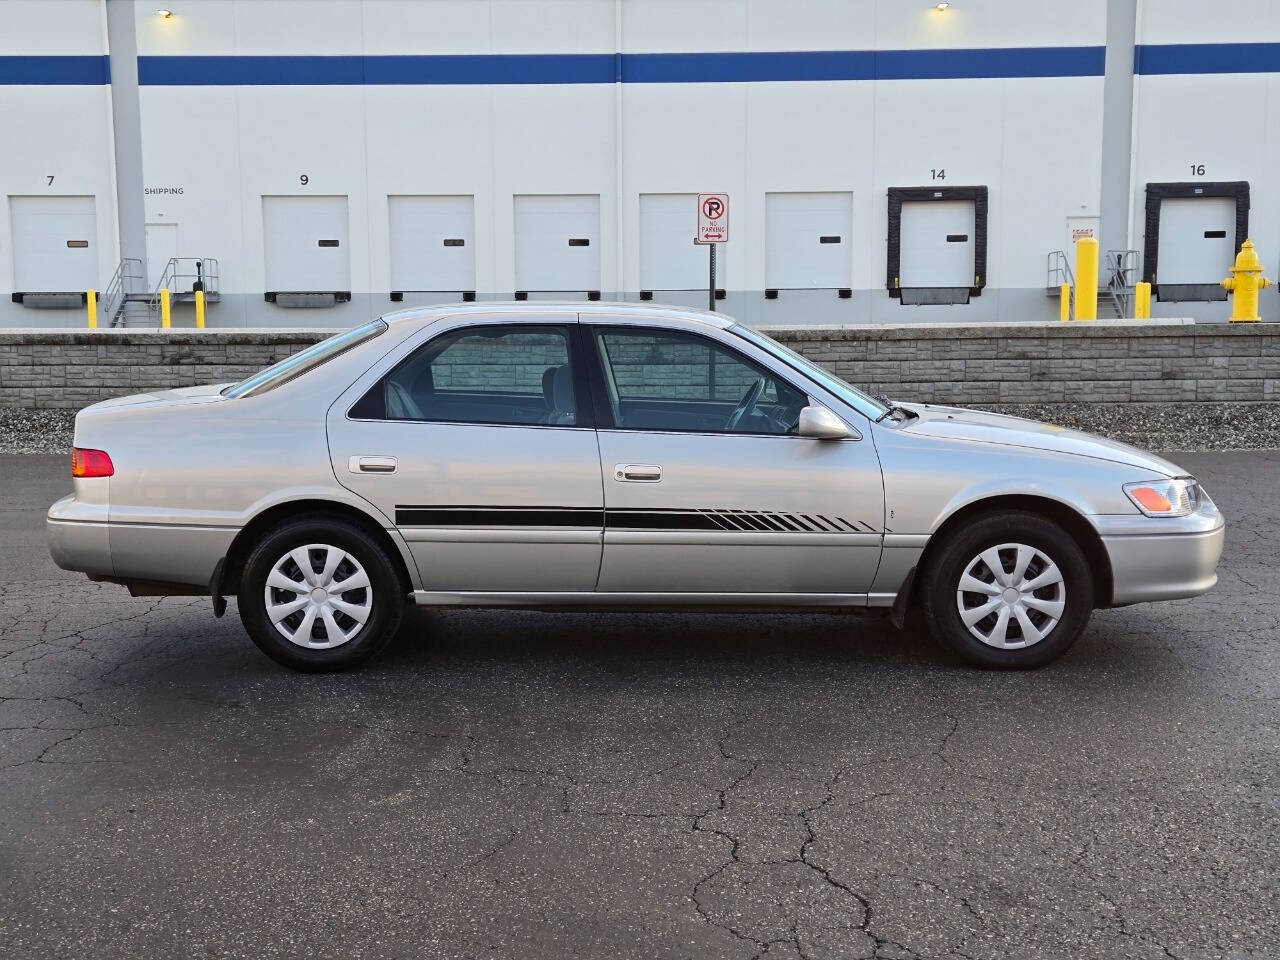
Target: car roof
631 312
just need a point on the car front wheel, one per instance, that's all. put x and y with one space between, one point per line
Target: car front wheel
1007 590
320 594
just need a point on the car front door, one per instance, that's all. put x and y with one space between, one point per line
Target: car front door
708 488
478 446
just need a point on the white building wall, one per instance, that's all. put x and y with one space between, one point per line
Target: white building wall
54 130
1227 123
212 152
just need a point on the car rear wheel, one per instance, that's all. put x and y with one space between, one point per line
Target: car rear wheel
320 594
1007 590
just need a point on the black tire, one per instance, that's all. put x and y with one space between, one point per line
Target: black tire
386 596
951 559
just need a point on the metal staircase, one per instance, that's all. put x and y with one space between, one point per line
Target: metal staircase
1122 273
125 301
128 303
1115 300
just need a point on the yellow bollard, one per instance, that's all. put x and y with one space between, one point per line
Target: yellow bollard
1064 303
164 307
1087 278
91 305
200 309
1244 283
1142 301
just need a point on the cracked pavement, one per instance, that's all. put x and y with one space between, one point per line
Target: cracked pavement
525 785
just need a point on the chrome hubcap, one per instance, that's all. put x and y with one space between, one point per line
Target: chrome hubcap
318 596
1011 596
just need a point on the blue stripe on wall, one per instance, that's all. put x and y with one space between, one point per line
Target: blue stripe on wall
636 67
991 63
746 67
1191 58
52 71
491 68
357 70
1008 62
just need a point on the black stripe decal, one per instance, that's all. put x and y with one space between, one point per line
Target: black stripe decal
722 519
427 516
660 520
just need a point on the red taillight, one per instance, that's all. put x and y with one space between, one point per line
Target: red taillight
90 463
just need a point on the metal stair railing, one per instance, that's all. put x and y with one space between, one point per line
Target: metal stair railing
183 276
1057 273
1122 267
125 286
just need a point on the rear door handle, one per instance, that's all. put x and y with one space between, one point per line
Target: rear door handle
637 472
372 465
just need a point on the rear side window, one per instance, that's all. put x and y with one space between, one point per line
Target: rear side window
516 375
308 359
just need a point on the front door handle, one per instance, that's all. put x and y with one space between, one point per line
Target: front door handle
372 465
637 472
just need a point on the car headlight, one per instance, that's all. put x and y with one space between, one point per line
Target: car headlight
1165 498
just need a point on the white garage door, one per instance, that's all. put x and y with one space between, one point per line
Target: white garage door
1197 240
807 240
432 243
669 259
55 243
558 242
306 244
937 244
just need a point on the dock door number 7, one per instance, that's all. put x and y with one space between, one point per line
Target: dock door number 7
713 218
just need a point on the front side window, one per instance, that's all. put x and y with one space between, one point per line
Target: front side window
864 403
517 374
667 380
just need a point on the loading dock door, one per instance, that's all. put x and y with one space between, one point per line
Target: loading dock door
305 239
937 246
432 244
558 243
669 259
807 241
1197 247
55 243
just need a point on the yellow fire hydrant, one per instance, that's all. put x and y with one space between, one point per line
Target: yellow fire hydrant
1244 283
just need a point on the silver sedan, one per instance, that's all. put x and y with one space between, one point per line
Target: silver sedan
612 456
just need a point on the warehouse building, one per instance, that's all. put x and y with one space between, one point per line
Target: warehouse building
316 162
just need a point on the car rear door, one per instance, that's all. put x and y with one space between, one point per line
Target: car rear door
697 506
477 444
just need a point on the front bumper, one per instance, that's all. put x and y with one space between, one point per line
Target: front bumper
1157 558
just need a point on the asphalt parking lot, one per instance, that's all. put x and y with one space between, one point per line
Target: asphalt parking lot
541 785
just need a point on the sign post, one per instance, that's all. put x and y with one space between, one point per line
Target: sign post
713 228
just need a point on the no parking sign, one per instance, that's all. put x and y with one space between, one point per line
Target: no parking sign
713 218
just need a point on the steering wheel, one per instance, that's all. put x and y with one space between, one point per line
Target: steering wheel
746 404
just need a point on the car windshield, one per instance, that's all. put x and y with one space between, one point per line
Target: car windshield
304 360
866 405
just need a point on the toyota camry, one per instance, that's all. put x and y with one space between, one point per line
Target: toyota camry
612 456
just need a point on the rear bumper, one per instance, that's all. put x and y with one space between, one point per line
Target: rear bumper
81 539
1159 559
78 539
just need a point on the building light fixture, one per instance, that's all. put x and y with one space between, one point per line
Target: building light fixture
164 14
942 5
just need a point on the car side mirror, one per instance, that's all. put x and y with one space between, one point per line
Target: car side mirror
819 423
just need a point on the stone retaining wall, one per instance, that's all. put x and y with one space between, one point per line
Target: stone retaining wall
1124 362
1112 363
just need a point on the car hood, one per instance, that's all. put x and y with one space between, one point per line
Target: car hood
181 396
956 423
